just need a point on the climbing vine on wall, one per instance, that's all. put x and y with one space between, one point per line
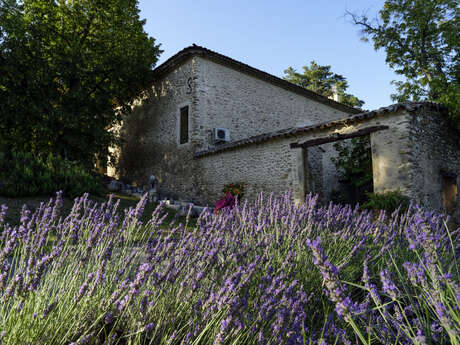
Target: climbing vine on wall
354 166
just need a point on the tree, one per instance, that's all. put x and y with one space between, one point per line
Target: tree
321 80
65 66
421 41
354 159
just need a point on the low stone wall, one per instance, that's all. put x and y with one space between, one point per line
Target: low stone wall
434 152
273 166
270 167
263 168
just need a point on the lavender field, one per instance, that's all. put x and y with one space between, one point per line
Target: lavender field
271 272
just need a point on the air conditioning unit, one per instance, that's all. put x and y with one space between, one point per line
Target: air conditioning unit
221 135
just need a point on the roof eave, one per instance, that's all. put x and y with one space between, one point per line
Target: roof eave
410 107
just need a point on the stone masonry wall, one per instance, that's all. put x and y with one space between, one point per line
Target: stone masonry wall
274 167
217 96
390 158
435 150
314 172
151 133
269 167
249 106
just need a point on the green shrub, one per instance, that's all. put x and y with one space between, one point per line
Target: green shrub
354 168
24 174
236 189
388 201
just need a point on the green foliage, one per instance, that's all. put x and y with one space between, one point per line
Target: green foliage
236 189
388 201
354 162
24 174
421 41
321 80
354 165
64 67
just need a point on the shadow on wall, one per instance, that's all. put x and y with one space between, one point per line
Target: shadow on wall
134 153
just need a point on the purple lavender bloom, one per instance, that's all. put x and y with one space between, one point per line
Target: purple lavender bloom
83 340
247 267
48 309
387 283
344 305
149 326
415 272
83 288
3 210
108 317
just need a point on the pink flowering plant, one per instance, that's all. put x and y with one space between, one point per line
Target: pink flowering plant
269 272
232 192
226 203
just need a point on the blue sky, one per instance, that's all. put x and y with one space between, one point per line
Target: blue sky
272 35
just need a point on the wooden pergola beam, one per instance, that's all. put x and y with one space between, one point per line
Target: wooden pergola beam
337 137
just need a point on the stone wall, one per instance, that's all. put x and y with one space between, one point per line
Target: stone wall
314 172
269 167
248 106
151 135
217 96
274 167
390 148
435 151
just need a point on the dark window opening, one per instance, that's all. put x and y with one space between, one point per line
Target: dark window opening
183 130
449 193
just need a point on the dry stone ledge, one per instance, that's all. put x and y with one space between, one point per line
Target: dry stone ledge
183 207
180 206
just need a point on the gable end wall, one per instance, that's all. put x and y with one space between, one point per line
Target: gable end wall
249 106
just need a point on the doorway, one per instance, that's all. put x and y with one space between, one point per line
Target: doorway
449 193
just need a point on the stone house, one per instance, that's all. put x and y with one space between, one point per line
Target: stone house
209 120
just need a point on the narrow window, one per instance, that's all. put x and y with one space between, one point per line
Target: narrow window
449 194
183 130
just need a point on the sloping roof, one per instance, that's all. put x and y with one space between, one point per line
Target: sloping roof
294 131
190 51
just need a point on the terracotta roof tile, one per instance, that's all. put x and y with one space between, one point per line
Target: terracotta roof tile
294 131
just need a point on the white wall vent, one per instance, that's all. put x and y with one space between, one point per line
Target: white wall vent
221 135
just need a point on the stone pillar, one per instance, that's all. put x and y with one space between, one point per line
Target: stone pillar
300 184
391 160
